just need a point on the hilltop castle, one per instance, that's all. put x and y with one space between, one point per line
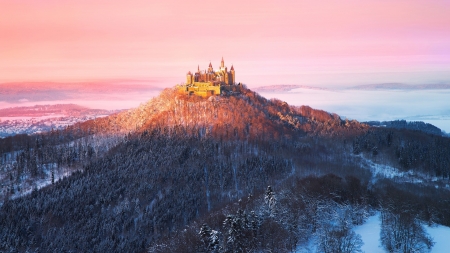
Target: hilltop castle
209 82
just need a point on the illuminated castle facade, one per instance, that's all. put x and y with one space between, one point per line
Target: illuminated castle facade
209 82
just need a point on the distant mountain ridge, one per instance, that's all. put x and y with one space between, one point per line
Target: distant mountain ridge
401 86
285 88
42 118
47 110
411 125
19 92
381 86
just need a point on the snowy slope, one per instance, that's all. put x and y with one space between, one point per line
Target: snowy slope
370 233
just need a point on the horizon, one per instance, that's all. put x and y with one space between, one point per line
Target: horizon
332 45
373 104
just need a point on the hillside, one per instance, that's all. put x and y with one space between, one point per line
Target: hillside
235 173
246 113
403 124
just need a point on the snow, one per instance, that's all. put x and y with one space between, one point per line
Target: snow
370 234
441 237
31 125
32 118
385 171
28 185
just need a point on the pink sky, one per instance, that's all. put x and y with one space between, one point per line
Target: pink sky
269 42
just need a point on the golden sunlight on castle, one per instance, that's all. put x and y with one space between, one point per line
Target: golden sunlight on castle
209 82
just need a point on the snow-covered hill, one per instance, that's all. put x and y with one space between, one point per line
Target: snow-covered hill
187 174
42 118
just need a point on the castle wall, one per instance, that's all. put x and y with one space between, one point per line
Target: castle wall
204 83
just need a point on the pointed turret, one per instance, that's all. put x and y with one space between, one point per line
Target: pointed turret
210 68
222 63
233 75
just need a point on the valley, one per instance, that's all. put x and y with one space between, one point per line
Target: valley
44 118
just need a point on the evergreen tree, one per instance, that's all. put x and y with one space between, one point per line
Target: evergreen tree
210 239
235 227
270 201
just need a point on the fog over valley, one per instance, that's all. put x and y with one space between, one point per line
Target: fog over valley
427 105
381 102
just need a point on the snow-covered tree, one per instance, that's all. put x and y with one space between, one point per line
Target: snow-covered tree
270 201
402 232
210 239
338 239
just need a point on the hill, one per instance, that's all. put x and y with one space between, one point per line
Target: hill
235 173
42 118
403 124
249 114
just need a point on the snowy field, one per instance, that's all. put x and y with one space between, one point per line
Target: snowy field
370 234
441 237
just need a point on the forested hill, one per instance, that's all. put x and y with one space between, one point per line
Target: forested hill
412 125
241 114
189 174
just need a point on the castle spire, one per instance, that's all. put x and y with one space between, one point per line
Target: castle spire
222 64
210 68
232 68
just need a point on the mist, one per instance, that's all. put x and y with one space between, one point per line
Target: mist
430 106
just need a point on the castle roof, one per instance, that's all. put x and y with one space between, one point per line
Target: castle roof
210 65
232 68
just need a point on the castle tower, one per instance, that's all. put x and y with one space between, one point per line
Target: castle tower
222 68
189 78
210 68
233 76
